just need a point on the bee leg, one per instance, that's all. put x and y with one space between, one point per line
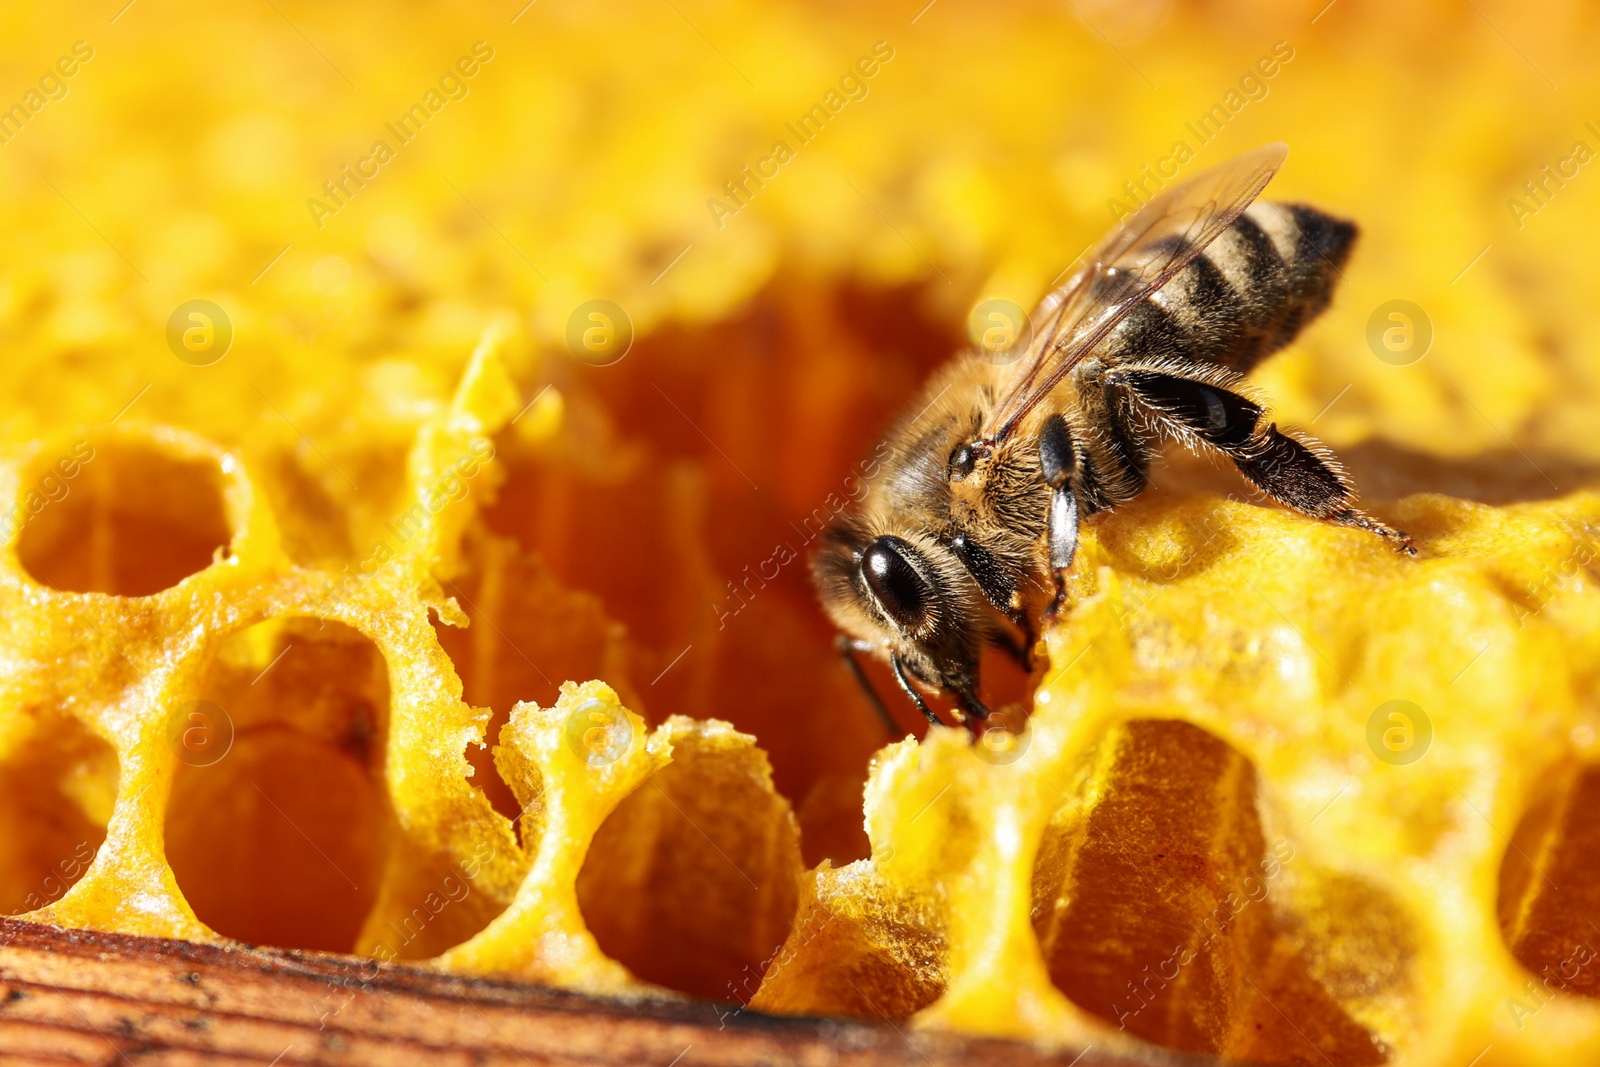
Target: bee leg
1058 461
1030 637
1001 588
911 690
847 651
1019 649
1204 406
971 710
1304 476
1063 543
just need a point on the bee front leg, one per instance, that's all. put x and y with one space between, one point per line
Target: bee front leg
847 651
1058 461
910 690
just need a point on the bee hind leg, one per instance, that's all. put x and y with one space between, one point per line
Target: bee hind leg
1058 461
1302 475
1205 406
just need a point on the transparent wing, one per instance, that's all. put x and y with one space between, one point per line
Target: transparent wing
1134 260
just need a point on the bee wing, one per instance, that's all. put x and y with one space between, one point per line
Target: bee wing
1134 260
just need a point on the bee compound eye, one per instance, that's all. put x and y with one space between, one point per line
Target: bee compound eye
895 583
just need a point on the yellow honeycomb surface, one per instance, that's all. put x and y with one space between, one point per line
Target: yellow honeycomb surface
364 592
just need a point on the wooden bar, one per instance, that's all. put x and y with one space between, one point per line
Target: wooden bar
84 997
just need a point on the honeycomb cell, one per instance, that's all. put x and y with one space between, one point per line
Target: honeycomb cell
858 949
280 837
57 785
125 515
830 821
691 882
1550 887
526 634
1154 907
314 530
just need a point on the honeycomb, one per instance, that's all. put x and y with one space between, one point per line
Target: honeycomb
373 611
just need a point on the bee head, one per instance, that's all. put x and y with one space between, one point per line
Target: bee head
907 594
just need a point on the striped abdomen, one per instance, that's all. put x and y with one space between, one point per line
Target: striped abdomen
1245 295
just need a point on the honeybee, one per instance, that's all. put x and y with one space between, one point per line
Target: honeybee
998 462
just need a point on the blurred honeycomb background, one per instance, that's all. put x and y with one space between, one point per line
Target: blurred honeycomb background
315 470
